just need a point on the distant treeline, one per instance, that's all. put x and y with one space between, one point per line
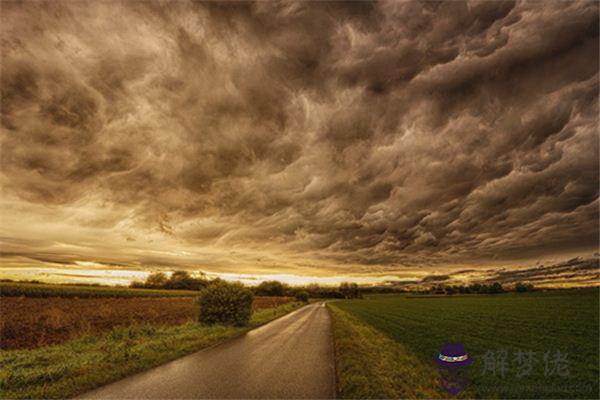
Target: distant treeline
478 288
182 280
352 291
345 290
179 280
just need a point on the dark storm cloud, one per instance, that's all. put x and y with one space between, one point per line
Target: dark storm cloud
435 278
574 269
366 135
579 271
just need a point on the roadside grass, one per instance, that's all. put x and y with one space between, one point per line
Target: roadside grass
82 364
369 365
494 330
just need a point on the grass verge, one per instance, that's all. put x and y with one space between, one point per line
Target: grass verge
369 365
82 364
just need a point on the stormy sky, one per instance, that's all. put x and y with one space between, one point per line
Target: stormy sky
303 138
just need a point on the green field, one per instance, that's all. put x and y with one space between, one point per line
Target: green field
52 290
410 331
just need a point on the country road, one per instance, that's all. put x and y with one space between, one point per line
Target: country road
291 357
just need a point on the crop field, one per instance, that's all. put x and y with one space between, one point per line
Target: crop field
12 289
534 345
33 322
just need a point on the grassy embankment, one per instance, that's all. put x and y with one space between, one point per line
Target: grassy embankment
385 344
371 365
82 364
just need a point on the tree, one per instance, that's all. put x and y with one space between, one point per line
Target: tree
271 288
345 289
182 280
350 290
496 288
523 287
156 280
475 288
439 289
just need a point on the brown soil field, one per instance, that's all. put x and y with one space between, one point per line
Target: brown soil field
33 322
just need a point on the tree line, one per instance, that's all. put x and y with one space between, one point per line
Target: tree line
183 280
478 288
346 290
178 280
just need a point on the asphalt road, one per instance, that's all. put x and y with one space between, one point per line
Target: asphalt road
291 357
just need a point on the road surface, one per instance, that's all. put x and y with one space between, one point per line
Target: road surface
291 357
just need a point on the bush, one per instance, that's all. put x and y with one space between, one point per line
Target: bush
225 303
302 296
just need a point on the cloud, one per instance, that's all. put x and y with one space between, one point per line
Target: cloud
435 278
576 269
356 137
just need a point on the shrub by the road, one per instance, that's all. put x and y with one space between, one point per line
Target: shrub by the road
302 296
225 303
